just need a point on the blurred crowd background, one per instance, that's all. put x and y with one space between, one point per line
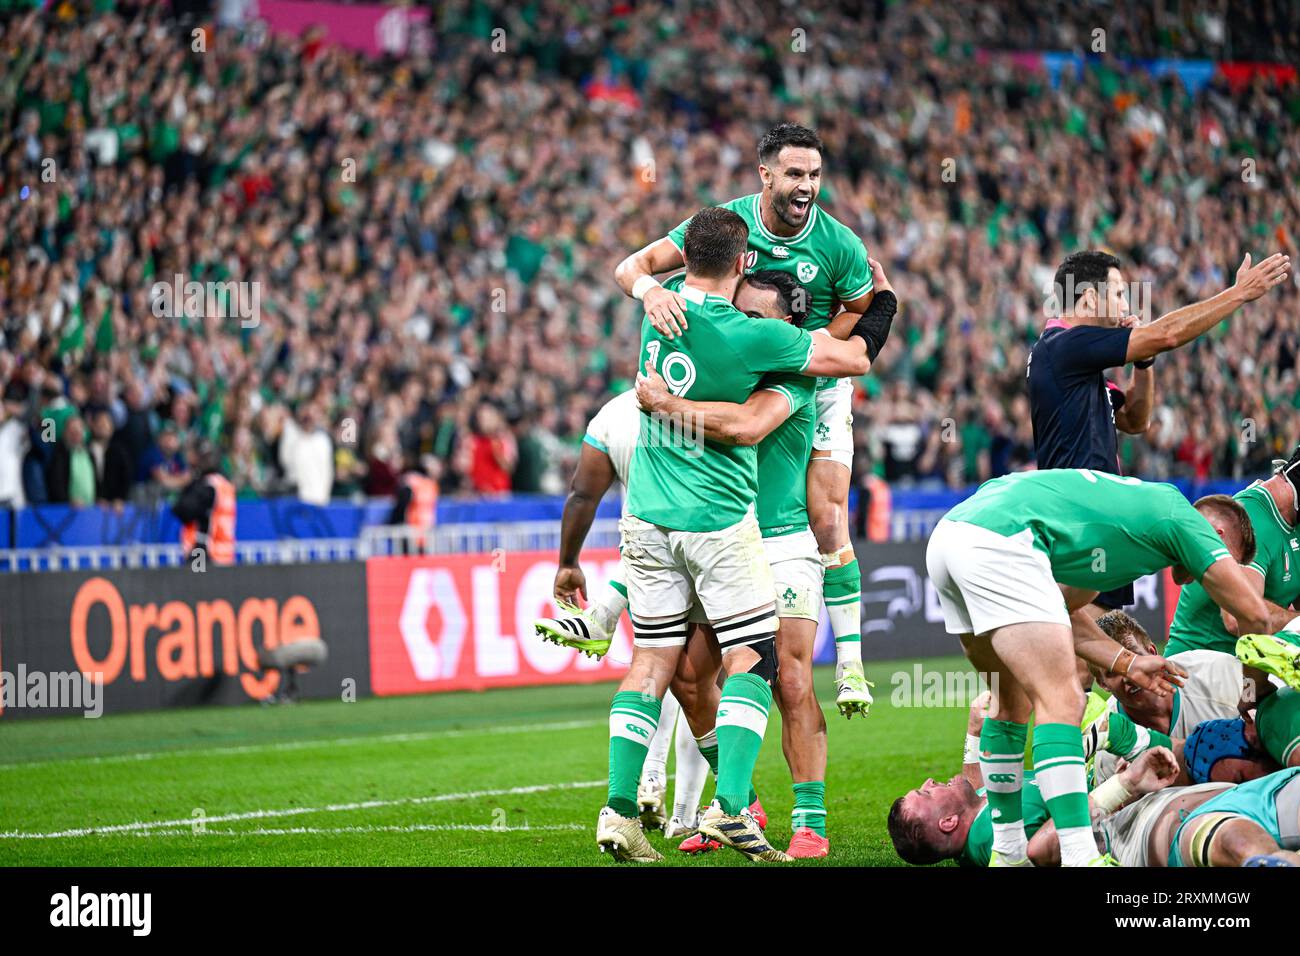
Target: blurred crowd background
432 238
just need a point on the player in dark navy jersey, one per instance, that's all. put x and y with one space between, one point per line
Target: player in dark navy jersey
1075 409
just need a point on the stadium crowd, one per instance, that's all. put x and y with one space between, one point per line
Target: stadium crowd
429 242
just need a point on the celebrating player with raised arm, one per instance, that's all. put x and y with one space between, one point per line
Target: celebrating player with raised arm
1000 560
690 533
779 419
789 232
1075 408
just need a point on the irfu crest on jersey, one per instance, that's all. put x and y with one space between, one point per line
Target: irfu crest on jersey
806 272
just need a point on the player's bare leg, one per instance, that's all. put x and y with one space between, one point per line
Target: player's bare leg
828 497
803 736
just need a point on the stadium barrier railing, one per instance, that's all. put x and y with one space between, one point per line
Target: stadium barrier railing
373 541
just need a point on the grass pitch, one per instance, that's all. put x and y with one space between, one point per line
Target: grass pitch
507 777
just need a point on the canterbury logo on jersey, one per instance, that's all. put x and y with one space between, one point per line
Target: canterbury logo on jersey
1002 778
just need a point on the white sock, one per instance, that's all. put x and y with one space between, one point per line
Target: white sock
656 759
692 774
608 603
1078 846
1010 842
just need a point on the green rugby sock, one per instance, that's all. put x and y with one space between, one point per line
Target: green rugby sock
1002 763
842 589
633 718
809 807
1059 773
742 721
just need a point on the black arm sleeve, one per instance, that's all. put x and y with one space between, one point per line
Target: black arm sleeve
873 327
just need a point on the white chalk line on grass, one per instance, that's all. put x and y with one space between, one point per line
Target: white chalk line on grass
141 826
289 745
395 828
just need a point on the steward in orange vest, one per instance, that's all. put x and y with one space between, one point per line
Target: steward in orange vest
416 503
206 508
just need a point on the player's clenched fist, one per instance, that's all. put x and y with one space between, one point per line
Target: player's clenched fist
1254 280
1153 770
570 582
666 311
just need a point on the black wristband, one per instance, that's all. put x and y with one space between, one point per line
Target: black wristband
1145 363
873 327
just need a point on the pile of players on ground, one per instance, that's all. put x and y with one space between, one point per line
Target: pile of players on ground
1194 759
735 449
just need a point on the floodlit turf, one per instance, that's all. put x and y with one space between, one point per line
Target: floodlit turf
507 777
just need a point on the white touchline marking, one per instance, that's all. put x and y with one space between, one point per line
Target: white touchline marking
395 828
191 822
309 744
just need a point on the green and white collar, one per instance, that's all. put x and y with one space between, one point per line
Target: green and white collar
782 240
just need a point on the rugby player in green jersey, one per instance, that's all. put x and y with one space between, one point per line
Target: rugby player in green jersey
1014 565
789 232
778 418
1274 572
954 820
690 534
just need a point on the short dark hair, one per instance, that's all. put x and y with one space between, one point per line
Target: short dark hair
1117 625
1079 271
714 238
783 135
791 297
908 836
1235 515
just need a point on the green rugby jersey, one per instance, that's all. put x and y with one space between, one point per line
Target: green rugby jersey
1197 624
680 480
1278 721
825 257
979 839
783 457
1099 531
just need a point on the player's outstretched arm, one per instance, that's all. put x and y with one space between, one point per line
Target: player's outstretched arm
1229 586
594 475
970 761
635 275
832 358
725 422
1148 671
1153 770
1182 325
1278 617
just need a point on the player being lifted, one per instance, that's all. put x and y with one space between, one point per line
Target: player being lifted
998 561
691 533
788 231
779 419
